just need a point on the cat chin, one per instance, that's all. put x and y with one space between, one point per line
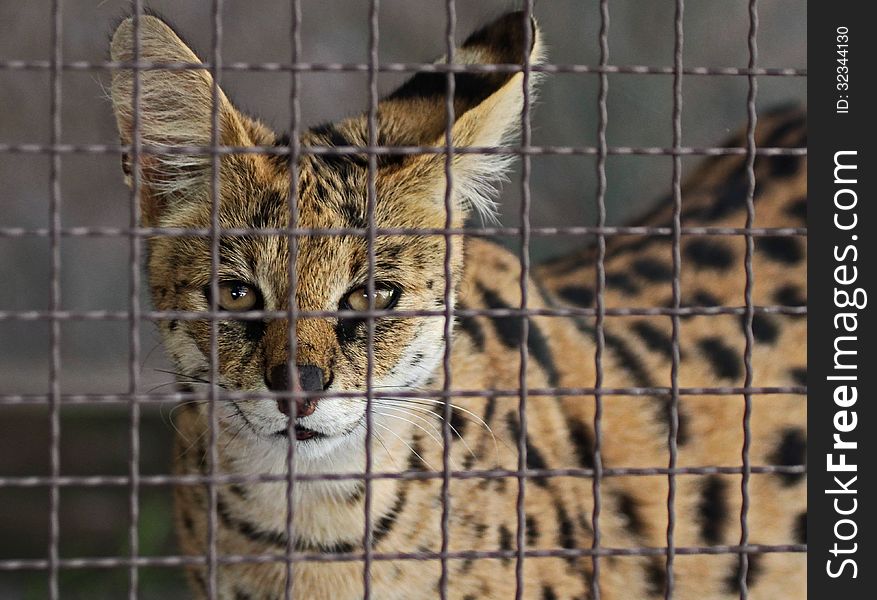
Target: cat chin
343 453
325 453
261 445
316 454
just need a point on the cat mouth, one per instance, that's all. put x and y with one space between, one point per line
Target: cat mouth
301 433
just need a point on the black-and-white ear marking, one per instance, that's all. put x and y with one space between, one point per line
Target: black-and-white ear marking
510 40
499 43
487 108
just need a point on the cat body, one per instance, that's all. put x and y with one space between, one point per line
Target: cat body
482 281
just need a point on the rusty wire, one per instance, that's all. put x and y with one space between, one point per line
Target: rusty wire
135 315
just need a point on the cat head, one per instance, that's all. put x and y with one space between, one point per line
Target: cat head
174 111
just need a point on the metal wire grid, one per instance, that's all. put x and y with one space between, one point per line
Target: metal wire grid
135 315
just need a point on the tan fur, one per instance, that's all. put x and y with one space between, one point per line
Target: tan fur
484 356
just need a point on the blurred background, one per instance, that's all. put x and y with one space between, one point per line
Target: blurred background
95 270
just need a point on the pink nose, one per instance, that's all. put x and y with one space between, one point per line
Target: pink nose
310 379
303 407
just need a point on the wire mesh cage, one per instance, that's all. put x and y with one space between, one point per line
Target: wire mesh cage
89 405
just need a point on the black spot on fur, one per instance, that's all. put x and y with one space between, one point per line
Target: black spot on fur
704 298
472 327
566 533
790 295
548 593
797 209
784 165
480 529
763 328
240 594
505 541
651 269
724 360
628 509
783 249
753 571
534 456
469 462
622 283
458 422
489 409
627 359
538 348
564 264
693 213
577 295
713 509
386 523
271 537
357 493
801 528
654 338
532 530
790 452
638 243
238 490
582 440
799 375
656 577
509 331
709 254
249 530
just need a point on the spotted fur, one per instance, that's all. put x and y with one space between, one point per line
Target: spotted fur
485 357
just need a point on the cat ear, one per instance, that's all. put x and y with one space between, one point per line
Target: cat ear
487 106
175 109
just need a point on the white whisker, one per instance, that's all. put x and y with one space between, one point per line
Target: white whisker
437 441
398 406
413 451
474 417
383 445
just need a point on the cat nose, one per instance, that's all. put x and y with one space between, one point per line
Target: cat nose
310 379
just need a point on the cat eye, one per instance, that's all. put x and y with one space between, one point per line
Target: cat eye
385 298
237 296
